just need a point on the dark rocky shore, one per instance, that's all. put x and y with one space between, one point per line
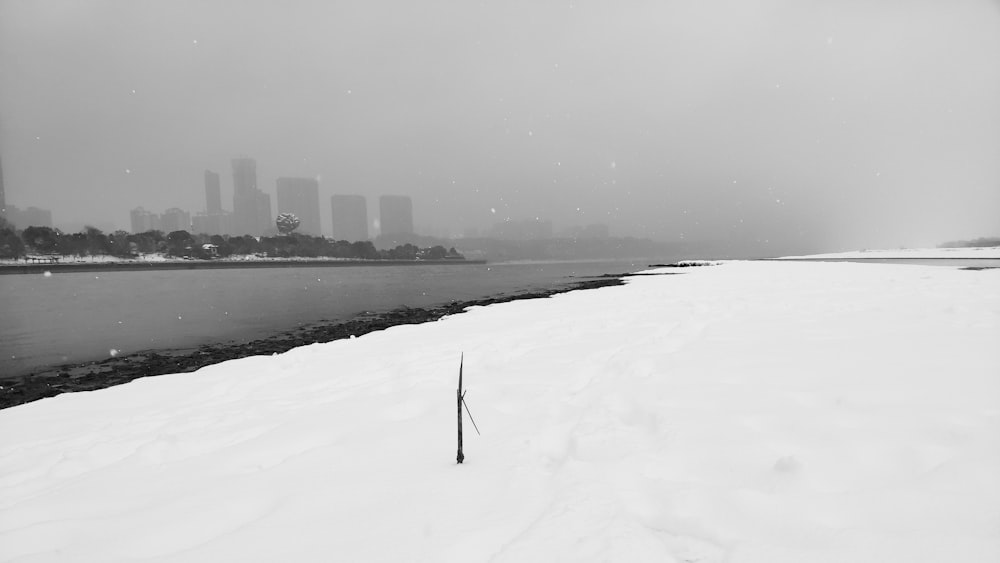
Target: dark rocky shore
115 371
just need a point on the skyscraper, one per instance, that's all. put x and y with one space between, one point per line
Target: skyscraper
300 196
3 200
214 221
244 175
350 217
251 207
395 214
213 193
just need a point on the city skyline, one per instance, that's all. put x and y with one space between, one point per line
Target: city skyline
349 214
213 218
824 126
298 196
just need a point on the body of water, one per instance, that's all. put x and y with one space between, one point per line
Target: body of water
47 320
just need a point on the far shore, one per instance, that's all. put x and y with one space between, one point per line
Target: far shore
145 266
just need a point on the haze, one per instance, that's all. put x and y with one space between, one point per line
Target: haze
836 125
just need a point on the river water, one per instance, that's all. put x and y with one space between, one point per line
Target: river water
47 320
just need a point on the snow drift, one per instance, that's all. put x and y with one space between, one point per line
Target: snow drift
743 412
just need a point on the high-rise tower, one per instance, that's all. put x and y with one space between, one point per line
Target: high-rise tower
3 201
214 221
300 196
395 214
350 217
213 193
251 207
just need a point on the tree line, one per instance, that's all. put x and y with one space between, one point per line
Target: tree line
182 244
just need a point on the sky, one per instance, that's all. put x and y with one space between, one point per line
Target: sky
839 125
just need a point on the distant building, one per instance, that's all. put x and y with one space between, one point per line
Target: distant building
175 219
251 207
3 199
529 229
245 197
395 214
350 217
30 217
143 221
214 221
300 197
213 193
244 175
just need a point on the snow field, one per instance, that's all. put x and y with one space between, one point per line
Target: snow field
988 252
742 412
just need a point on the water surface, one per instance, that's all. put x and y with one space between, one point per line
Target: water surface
83 316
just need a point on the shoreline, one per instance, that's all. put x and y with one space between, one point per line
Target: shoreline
132 266
101 374
878 259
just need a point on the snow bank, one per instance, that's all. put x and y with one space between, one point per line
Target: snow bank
991 252
748 412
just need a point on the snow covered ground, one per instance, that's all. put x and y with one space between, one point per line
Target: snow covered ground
98 259
750 411
991 252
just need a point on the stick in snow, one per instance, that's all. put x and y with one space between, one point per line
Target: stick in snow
461 456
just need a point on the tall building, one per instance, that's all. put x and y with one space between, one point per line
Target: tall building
350 217
300 197
213 193
244 175
214 221
251 207
3 200
395 214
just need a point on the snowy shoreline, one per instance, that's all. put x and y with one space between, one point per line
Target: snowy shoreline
966 253
744 412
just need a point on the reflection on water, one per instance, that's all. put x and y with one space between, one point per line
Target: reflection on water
77 317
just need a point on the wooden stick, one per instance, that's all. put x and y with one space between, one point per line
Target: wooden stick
461 456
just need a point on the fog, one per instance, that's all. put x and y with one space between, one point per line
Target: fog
838 125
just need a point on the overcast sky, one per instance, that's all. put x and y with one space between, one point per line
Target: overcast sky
847 124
